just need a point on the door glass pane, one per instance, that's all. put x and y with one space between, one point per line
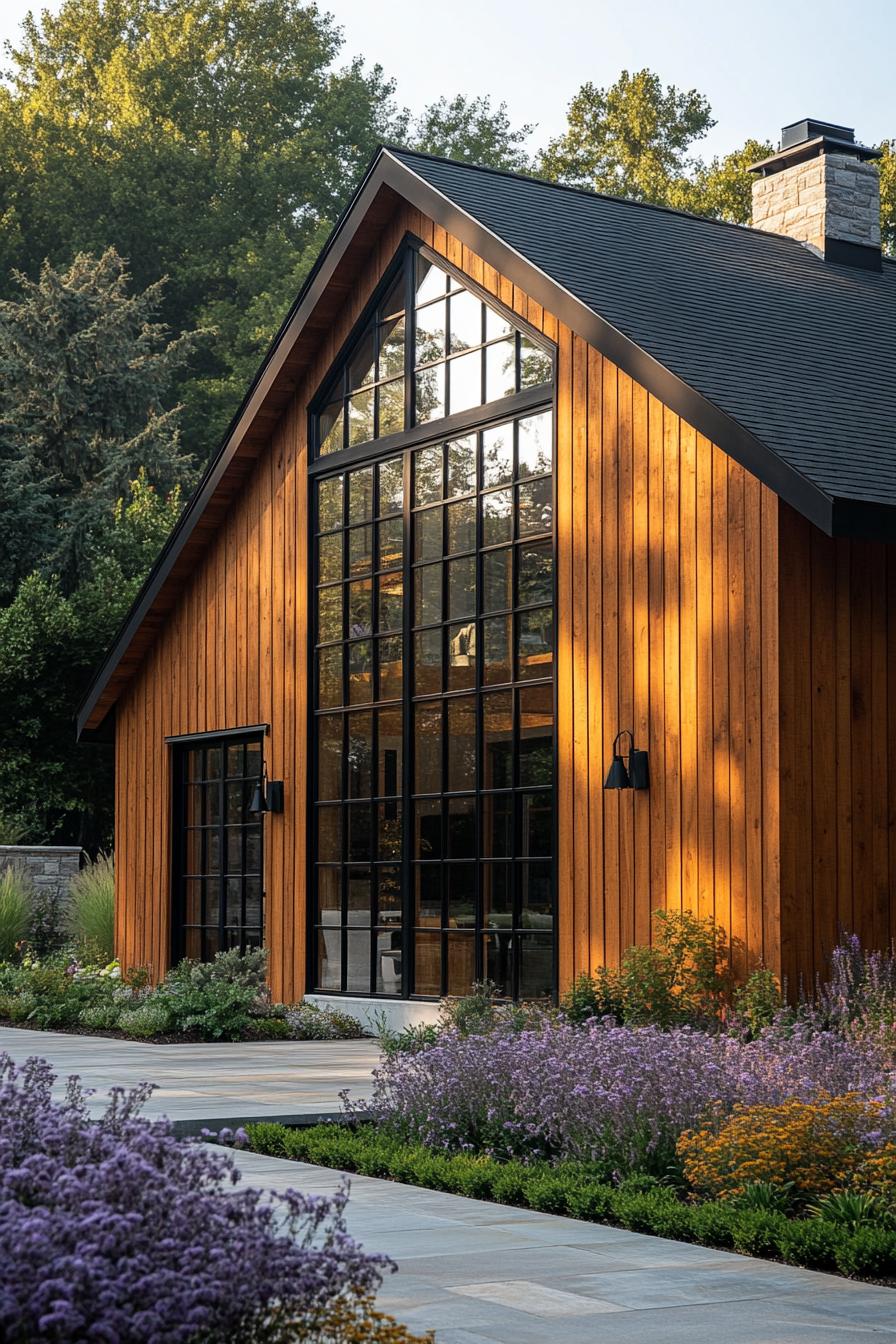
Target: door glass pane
461 743
536 572
391 668
462 587
428 662
428 747
497 740
427 594
428 534
329 503
391 543
360 495
535 642
329 613
359 757
329 756
497 580
391 602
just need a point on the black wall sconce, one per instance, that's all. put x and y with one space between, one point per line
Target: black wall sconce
636 775
267 797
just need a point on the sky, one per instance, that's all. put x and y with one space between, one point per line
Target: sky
761 65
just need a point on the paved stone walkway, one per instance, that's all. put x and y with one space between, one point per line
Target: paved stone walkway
222 1083
481 1273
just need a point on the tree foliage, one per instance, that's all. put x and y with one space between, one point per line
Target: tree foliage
468 128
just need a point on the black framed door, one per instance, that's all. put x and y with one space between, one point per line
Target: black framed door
217 847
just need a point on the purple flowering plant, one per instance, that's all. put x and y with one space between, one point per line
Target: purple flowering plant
616 1095
115 1231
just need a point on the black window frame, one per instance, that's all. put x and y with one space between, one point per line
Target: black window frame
518 405
180 749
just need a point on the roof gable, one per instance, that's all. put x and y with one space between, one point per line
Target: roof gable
748 336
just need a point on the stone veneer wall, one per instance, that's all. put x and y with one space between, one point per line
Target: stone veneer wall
832 196
51 867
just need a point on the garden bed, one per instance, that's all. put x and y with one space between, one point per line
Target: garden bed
174 1038
638 1203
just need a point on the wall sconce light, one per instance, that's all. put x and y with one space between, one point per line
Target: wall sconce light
634 776
267 797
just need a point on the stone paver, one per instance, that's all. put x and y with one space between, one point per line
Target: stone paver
480 1273
226 1082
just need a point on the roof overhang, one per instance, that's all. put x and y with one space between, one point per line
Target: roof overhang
387 179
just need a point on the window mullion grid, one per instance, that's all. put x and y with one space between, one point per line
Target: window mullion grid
373 871
407 707
445 871
479 875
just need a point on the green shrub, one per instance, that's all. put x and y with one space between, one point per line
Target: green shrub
149 1018
868 1252
410 1040
269 1029
16 891
766 1196
312 1022
219 999
591 1201
758 1001
850 1209
90 910
509 1182
810 1242
713 1224
754 1231
597 995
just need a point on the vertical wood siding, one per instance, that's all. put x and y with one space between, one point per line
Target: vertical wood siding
838 743
669 607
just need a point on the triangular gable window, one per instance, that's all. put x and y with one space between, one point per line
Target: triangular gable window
430 349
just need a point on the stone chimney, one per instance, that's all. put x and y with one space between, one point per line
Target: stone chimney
823 189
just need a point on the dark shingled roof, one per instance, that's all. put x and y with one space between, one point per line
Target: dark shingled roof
799 351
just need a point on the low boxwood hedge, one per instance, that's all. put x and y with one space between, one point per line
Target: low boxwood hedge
638 1203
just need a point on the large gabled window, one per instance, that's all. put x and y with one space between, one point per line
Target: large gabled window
428 350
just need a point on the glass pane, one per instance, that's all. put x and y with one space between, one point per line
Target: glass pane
358 967
359 896
428 963
428 662
536 894
497 740
462 465
500 370
329 756
329 504
234 802
495 324
235 856
538 820
391 485
428 895
212 804
361 367
535 636
497 900
359 757
213 851
329 558
462 587
460 880
461 964
536 735
389 751
192 859
235 759
388 831
253 759
194 763
392 348
391 543
360 831
360 608
430 393
329 958
193 808
535 581
329 834
462 828
393 300
465 382
360 417
329 889
428 534
390 669
461 743
534 449
253 848
329 613
360 673
496 660
497 580
428 748
465 321
427 475
391 602
430 333
388 882
497 517
360 495
497 456
428 829
462 656
534 504
233 901
212 910
461 526
213 764
331 428
192 902
389 960
497 825
252 910
536 965
431 281
360 549
427 594
536 365
390 400
329 684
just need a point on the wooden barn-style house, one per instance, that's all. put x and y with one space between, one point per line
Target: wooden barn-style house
546 577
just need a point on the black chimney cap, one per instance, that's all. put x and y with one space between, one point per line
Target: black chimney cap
809 129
